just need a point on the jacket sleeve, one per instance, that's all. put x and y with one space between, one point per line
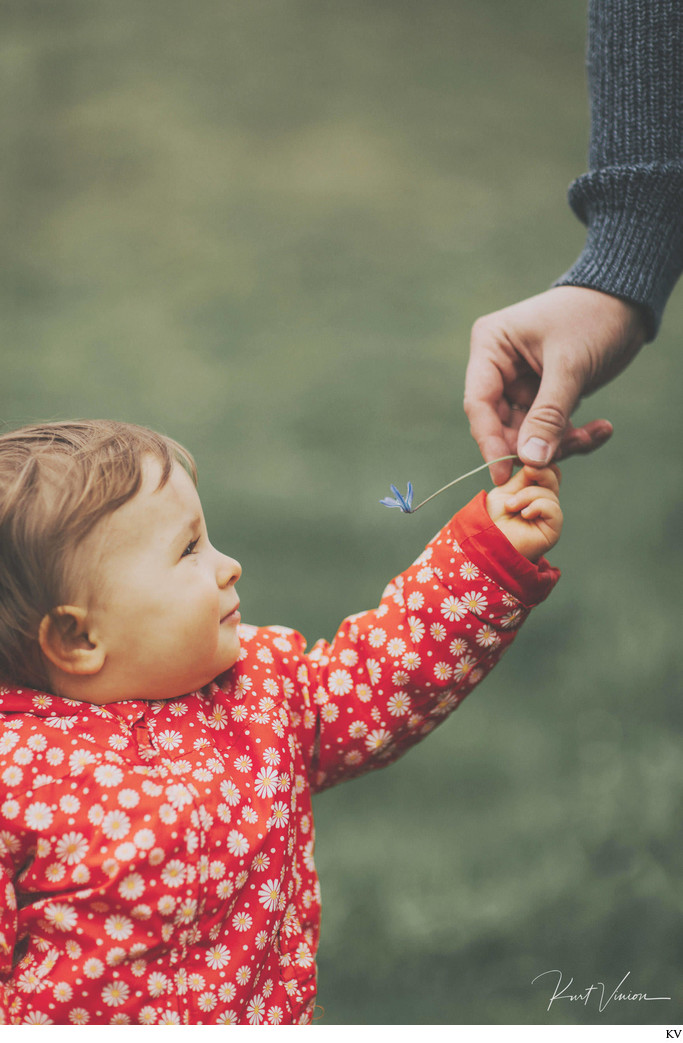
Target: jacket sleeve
8 929
392 674
631 199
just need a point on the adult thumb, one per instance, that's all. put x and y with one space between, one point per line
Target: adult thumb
541 432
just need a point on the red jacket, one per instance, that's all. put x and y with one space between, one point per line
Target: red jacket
156 858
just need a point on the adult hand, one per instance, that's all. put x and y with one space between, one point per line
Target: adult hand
531 363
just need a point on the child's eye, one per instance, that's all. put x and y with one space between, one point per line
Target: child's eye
190 548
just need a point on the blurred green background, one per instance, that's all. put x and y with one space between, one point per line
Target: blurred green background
266 229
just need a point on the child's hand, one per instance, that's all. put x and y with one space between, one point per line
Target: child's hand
527 510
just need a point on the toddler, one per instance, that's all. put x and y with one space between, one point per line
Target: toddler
158 757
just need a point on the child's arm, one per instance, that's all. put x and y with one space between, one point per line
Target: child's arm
8 929
392 674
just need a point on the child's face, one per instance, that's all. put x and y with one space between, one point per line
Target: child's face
164 603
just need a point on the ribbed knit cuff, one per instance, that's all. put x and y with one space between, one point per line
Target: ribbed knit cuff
634 247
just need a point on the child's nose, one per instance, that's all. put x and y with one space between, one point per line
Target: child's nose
228 571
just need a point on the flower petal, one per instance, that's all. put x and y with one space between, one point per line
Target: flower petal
404 504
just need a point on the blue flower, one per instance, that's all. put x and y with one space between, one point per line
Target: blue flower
404 503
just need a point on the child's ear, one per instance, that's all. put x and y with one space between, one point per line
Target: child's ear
65 642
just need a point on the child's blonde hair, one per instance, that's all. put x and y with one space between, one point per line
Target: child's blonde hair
57 481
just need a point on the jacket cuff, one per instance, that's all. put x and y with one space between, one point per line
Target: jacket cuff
634 246
484 544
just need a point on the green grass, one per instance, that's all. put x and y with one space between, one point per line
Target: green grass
266 229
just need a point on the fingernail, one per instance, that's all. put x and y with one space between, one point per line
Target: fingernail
536 451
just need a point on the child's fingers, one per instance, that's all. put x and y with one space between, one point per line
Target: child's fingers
541 507
514 484
528 495
547 477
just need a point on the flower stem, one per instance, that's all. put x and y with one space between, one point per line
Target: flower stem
460 479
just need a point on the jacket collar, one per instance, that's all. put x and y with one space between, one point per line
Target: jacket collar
43 704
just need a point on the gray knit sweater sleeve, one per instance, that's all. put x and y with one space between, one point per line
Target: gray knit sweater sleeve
632 197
